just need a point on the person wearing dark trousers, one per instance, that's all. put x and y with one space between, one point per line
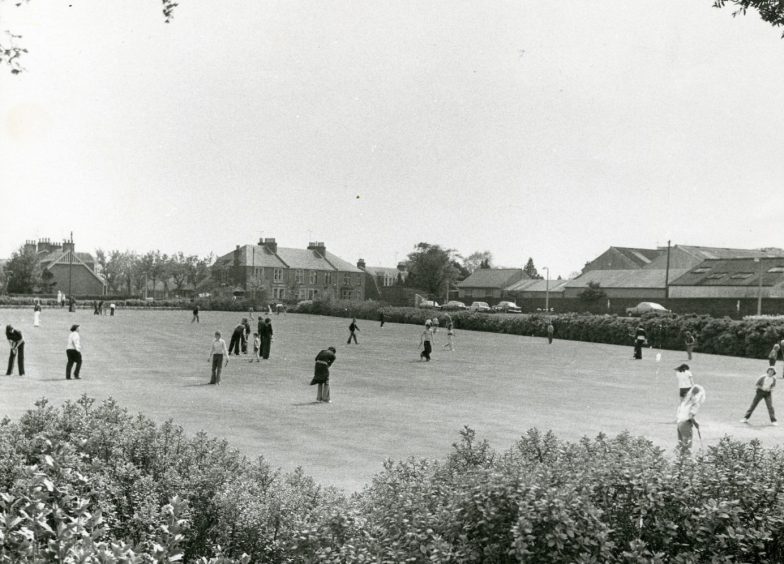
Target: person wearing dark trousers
352 331
16 341
265 333
74 353
764 391
689 341
381 318
324 360
550 332
236 339
773 355
245 334
219 357
426 341
639 341
195 314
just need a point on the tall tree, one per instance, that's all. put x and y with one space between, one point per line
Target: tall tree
478 259
23 271
431 268
531 271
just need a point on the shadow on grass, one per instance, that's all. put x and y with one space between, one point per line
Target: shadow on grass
196 385
306 403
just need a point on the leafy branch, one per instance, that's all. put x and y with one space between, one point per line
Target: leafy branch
771 11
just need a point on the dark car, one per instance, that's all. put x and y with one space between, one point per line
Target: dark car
507 307
454 305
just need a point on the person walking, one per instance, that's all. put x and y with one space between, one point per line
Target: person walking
352 329
639 341
550 332
37 314
236 339
426 341
684 416
195 313
685 380
773 355
219 356
324 360
73 351
450 335
245 335
266 338
381 317
112 307
764 391
689 341
16 341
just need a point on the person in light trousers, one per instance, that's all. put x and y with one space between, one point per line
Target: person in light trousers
764 391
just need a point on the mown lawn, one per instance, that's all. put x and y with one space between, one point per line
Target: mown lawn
385 403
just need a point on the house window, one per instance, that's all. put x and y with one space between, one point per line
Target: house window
279 293
346 279
303 293
312 275
328 278
345 294
277 275
300 276
312 293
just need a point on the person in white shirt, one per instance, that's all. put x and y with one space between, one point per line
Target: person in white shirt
685 379
684 416
74 353
765 386
218 352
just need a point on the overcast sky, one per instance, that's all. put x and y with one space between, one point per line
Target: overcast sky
543 129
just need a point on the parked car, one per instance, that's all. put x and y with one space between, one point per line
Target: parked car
507 307
454 305
647 307
429 304
479 307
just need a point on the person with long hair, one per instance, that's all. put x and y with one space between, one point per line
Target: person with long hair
685 416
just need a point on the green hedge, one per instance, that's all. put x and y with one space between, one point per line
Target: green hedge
751 338
92 483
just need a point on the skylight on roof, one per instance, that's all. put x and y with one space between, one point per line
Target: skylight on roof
701 270
716 276
776 269
742 275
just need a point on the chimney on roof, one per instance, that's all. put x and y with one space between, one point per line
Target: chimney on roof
29 246
318 246
270 244
68 246
361 264
237 255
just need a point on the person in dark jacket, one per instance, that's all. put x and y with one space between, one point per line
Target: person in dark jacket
245 334
352 329
16 341
639 340
381 318
266 338
195 313
236 339
324 360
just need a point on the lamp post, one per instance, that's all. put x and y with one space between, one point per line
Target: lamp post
547 290
759 288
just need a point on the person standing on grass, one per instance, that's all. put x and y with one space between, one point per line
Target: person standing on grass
324 360
639 341
684 416
219 356
550 332
37 313
450 335
764 391
381 317
689 341
195 313
236 339
352 329
773 355
73 352
266 338
685 380
112 307
256 348
16 341
436 324
245 334
426 341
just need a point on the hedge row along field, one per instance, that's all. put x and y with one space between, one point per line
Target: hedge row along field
92 483
751 338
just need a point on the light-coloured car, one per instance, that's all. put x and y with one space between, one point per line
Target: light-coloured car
647 307
454 305
507 307
479 307
429 304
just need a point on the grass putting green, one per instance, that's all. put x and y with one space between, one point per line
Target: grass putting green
385 402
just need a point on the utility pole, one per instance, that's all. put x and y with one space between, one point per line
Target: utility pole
667 279
70 267
759 288
547 289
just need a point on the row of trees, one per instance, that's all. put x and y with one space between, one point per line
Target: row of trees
125 272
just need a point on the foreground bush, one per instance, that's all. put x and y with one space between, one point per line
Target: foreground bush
89 483
751 337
